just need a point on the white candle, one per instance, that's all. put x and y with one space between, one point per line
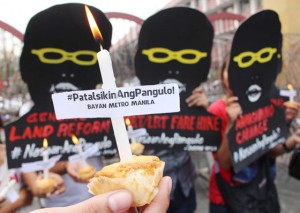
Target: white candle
79 147
45 158
130 129
291 93
109 82
77 144
118 124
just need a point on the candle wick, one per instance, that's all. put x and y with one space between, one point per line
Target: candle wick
99 40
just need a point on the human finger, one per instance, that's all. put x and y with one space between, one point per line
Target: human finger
233 111
58 179
72 170
59 189
191 98
117 201
292 104
198 90
291 113
59 183
234 107
297 139
39 176
111 202
162 200
231 100
195 93
2 199
291 110
197 100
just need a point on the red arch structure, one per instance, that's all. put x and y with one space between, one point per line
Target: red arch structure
125 16
212 18
11 30
126 29
225 24
226 16
11 85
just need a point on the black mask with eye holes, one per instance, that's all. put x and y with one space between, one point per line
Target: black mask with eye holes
174 47
255 59
59 52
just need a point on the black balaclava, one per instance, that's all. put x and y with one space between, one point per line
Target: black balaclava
59 52
255 59
174 47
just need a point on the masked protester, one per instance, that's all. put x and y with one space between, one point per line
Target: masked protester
59 54
248 76
174 47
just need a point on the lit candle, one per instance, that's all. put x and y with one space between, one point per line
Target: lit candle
130 129
45 157
109 82
291 93
78 145
75 140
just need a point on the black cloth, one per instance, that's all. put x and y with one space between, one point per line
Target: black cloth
257 196
294 166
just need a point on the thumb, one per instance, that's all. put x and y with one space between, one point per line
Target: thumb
111 202
162 200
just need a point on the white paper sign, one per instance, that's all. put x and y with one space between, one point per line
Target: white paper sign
137 133
40 165
117 102
288 93
86 154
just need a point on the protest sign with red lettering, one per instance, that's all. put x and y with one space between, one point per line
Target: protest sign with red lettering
59 55
255 61
175 47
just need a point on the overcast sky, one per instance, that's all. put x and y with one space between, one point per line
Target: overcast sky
18 12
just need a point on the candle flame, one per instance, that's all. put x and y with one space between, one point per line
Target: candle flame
289 86
75 140
127 121
93 25
45 143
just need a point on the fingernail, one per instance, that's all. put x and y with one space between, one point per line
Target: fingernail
120 201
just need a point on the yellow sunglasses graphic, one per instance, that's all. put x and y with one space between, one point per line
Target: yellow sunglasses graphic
57 56
164 55
246 59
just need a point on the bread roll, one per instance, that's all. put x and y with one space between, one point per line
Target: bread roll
290 104
137 148
87 172
46 186
140 177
